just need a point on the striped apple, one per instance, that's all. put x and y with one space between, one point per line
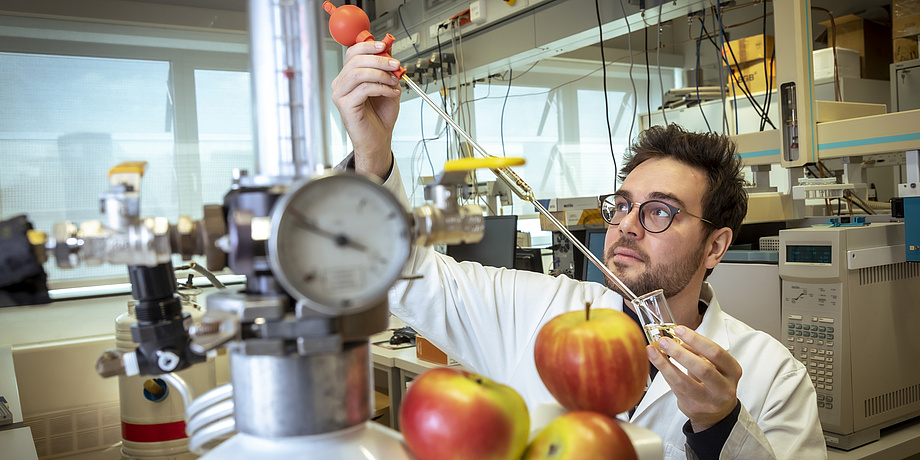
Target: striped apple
593 360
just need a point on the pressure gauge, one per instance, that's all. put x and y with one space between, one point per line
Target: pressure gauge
338 242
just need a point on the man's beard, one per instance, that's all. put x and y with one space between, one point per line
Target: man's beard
671 277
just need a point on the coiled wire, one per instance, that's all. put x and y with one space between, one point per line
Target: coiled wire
208 418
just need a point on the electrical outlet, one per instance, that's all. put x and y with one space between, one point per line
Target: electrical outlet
478 12
439 28
405 43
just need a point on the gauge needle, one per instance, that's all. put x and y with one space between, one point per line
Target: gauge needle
340 239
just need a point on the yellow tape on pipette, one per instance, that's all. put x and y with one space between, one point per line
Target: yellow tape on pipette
468 164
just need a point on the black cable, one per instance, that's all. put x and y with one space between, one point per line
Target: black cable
721 82
718 9
699 103
770 83
443 89
408 35
632 82
502 124
421 119
808 167
487 96
658 64
746 91
754 103
425 139
600 32
462 93
868 207
500 78
630 55
421 124
574 80
766 71
502 119
856 202
648 81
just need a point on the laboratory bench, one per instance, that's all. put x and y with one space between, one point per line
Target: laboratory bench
57 345
397 367
900 441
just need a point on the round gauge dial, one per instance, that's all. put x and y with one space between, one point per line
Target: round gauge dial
338 242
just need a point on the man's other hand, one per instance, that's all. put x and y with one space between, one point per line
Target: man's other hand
706 394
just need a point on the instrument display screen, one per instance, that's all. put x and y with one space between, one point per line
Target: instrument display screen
809 254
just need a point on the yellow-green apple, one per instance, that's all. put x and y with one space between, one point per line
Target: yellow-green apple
454 414
581 435
593 360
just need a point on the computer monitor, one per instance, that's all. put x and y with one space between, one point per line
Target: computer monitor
497 247
529 259
594 240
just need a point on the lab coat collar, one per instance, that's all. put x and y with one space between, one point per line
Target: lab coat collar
712 327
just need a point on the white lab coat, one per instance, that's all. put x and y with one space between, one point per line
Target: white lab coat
488 318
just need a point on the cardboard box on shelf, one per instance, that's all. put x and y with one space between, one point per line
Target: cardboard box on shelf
546 225
571 211
570 218
848 63
750 77
871 39
905 18
906 49
744 50
425 350
570 204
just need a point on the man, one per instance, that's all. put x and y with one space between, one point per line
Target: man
679 206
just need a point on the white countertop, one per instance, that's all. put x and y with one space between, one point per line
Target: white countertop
17 443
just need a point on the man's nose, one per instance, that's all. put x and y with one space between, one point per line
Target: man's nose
630 224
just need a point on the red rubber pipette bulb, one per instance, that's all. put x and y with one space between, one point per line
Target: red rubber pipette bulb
349 24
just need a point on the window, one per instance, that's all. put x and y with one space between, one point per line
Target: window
224 130
80 97
555 120
68 120
77 105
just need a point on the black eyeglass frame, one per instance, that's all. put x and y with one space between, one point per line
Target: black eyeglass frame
674 211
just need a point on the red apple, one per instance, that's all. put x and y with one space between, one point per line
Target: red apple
593 360
454 414
581 435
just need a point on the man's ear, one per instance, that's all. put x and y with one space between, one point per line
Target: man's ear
717 244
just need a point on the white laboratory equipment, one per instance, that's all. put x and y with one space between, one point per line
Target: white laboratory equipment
849 312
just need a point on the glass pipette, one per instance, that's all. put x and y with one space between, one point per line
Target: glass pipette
520 188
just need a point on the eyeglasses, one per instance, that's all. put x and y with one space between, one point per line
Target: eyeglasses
654 215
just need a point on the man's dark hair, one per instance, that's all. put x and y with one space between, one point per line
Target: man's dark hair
725 202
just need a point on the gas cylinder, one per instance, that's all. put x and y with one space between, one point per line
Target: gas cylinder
153 413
